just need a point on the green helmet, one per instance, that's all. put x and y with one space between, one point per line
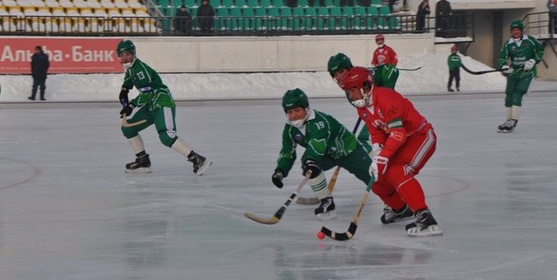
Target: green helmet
338 62
125 46
294 98
517 24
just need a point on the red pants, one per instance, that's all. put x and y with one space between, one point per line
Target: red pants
398 186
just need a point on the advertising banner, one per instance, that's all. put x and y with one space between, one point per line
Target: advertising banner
67 55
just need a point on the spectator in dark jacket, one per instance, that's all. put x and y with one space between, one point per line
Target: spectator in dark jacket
182 21
206 17
421 15
443 12
39 70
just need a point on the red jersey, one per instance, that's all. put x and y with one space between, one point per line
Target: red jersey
384 55
391 119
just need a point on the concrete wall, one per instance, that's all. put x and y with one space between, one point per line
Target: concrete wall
266 54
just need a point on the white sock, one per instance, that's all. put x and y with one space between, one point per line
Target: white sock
181 147
137 144
319 186
515 112
508 113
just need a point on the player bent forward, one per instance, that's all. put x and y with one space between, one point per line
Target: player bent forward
156 106
405 141
327 143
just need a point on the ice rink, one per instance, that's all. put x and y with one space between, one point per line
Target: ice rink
68 211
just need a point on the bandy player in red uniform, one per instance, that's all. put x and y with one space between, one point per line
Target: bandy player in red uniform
403 141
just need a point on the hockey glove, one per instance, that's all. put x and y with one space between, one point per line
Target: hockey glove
506 70
311 166
529 64
277 178
378 167
375 149
126 110
123 97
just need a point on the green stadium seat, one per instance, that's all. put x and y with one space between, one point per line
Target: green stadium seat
227 3
240 3
261 19
303 3
273 18
236 18
323 20
248 21
222 20
265 3
363 19
189 3
338 19
253 3
311 18
299 19
286 21
278 3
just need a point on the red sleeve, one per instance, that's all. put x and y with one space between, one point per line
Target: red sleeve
393 58
392 106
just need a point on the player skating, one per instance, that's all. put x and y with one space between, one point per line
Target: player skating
327 144
384 64
524 52
406 141
156 106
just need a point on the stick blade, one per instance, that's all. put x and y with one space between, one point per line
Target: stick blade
266 221
343 236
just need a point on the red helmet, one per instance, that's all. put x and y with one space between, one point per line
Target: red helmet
379 37
356 77
454 48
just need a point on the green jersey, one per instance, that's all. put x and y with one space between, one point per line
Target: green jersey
520 51
152 92
322 137
454 61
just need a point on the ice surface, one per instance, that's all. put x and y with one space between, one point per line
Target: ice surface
68 211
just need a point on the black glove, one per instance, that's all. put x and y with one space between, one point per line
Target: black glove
312 166
123 97
126 110
277 178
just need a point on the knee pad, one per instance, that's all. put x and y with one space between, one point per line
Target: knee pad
166 139
129 132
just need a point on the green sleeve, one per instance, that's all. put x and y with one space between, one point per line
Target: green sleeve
503 55
287 154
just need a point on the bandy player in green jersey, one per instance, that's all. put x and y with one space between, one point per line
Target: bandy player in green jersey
327 144
524 52
156 106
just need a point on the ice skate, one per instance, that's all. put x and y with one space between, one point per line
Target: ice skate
200 163
450 89
507 127
425 225
326 210
389 216
141 164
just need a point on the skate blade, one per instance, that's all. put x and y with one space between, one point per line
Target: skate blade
138 170
327 216
432 230
204 167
